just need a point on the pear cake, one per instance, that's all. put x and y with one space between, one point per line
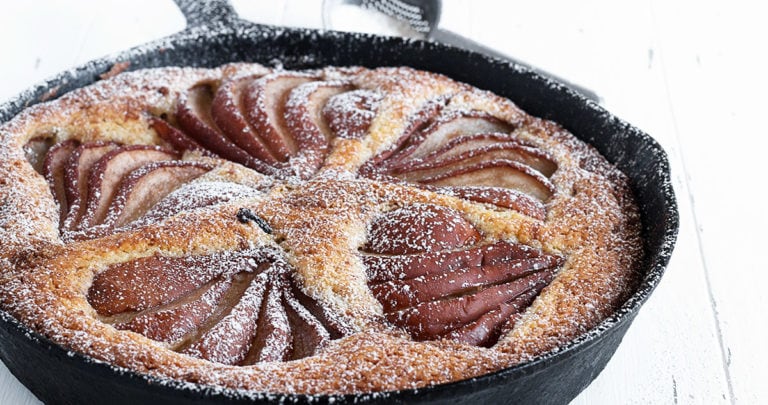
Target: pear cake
328 231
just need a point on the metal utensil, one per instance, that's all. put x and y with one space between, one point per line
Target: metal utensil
423 17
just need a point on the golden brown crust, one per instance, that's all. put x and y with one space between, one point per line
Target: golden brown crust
321 224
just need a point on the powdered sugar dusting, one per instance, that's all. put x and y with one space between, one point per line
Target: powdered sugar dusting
194 196
320 220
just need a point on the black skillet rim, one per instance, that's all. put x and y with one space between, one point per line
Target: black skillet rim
657 257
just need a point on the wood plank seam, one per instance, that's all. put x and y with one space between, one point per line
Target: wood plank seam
696 222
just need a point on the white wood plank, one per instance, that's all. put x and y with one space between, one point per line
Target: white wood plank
43 37
122 24
38 41
716 69
290 13
266 12
11 390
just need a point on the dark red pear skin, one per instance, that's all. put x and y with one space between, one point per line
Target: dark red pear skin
430 320
419 228
439 129
53 169
193 114
487 329
76 175
273 337
144 187
227 112
304 122
500 197
382 268
399 152
350 114
433 281
177 139
152 281
308 331
233 308
230 339
397 295
492 173
471 155
193 196
264 100
108 173
477 148
177 321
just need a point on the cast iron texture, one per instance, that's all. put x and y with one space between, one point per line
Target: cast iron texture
56 375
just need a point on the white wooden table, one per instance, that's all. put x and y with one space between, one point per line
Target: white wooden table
690 73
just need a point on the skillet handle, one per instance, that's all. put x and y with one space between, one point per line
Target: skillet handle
206 12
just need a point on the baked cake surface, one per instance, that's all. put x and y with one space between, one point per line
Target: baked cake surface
339 230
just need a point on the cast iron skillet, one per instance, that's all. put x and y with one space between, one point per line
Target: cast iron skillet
215 35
